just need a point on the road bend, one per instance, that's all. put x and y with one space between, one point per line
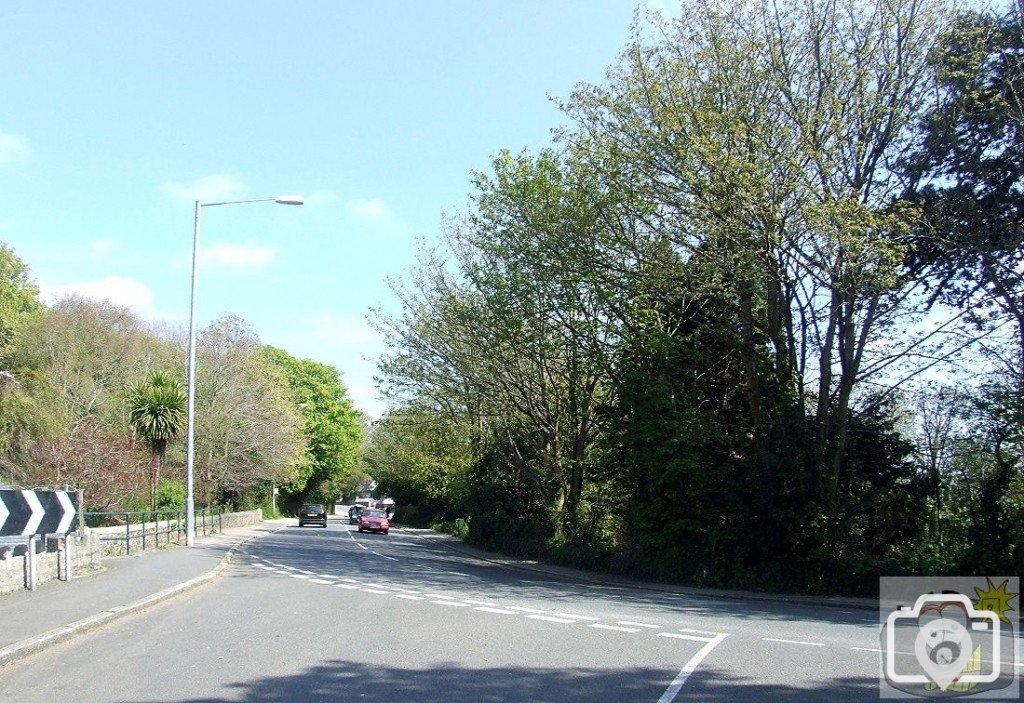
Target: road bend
308 614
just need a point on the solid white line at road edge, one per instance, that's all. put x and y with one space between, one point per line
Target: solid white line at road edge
673 688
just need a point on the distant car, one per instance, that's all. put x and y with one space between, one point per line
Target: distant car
353 514
374 520
313 514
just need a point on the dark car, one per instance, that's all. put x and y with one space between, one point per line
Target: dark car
374 521
353 514
312 514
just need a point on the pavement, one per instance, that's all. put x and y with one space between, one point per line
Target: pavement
57 611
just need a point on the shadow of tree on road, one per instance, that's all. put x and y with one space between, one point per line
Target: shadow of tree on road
341 681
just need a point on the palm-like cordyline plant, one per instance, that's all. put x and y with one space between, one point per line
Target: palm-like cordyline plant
156 409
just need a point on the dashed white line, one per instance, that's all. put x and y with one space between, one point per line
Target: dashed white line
498 611
299 576
485 603
800 642
383 555
438 595
866 649
630 623
303 571
347 585
526 610
453 603
574 617
616 628
321 581
551 618
407 597
697 632
375 590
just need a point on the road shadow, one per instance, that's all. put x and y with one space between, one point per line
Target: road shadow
341 681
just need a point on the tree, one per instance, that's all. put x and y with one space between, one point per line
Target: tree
248 430
422 461
156 411
331 425
967 173
19 297
510 344
760 142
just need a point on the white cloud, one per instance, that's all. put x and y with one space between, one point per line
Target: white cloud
127 292
238 256
13 149
99 248
376 215
373 208
344 332
218 186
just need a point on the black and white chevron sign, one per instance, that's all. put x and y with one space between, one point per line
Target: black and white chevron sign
37 512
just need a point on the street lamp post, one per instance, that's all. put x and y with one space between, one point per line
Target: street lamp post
190 504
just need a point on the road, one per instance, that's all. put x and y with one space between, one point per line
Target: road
308 614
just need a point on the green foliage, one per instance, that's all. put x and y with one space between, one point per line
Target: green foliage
170 494
19 297
156 407
421 462
331 425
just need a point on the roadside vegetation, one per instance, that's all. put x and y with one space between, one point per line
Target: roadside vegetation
93 398
755 319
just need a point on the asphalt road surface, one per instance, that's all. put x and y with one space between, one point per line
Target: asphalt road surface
308 614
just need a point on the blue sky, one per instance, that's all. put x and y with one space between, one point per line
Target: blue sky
118 115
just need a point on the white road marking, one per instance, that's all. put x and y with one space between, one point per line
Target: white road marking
673 688
453 603
616 628
691 638
347 585
383 555
866 649
438 595
549 618
499 611
406 590
375 590
303 571
806 644
575 617
698 632
298 576
321 581
526 610
407 597
630 623
282 571
485 603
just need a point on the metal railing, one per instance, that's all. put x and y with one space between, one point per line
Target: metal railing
140 526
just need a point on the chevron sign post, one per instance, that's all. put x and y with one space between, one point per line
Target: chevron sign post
27 513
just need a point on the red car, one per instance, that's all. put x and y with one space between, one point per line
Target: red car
374 521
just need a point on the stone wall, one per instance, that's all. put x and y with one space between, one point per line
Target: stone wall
88 548
86 558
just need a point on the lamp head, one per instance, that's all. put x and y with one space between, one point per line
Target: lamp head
289 200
